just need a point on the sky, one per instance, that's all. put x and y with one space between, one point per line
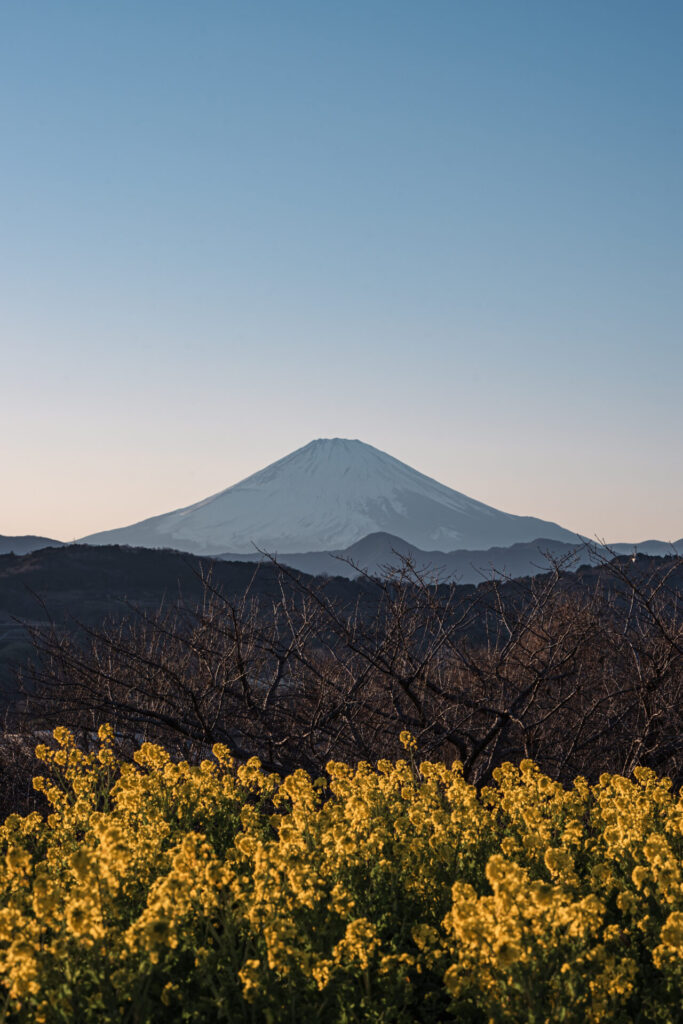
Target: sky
451 228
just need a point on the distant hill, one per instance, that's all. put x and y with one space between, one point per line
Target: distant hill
87 583
25 545
380 551
81 584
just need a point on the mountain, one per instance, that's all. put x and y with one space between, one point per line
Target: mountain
326 496
25 545
378 552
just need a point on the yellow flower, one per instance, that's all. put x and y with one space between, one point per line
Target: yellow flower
18 861
249 976
507 953
542 893
63 736
407 740
496 869
639 876
322 973
359 944
672 931
82 864
557 860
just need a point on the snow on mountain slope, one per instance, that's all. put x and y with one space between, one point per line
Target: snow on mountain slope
330 494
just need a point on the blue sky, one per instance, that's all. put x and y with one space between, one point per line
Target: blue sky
451 229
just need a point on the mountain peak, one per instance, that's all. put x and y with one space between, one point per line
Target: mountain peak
321 442
337 445
327 495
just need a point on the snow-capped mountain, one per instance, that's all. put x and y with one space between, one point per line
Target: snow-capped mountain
328 495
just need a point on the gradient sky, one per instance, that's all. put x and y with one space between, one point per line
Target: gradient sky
451 229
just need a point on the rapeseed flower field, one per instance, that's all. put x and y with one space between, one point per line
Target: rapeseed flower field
160 891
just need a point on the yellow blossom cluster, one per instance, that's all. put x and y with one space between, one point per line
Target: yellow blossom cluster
162 891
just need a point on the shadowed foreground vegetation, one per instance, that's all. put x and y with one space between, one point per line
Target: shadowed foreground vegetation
581 672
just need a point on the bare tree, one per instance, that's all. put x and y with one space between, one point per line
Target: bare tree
582 672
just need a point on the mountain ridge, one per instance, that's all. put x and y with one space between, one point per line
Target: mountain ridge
26 543
377 552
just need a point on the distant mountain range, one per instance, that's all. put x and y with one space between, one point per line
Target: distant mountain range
378 552
326 496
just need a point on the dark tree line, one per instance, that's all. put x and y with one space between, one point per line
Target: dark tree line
581 672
